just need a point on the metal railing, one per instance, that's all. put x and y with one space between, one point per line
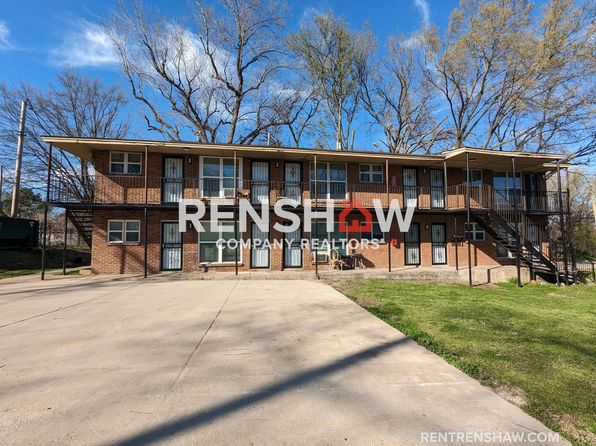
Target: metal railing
135 189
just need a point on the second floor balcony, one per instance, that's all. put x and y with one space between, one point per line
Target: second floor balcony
138 190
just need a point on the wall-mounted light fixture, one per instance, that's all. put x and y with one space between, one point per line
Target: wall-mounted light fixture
424 171
190 160
276 164
427 226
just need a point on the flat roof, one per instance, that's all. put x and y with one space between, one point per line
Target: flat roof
479 159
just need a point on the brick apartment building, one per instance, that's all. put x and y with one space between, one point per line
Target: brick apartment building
131 220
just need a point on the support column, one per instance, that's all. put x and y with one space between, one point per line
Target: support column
468 232
145 241
45 215
562 224
445 184
516 220
570 222
145 212
236 210
455 242
388 234
315 222
65 240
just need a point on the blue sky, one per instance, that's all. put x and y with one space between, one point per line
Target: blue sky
37 37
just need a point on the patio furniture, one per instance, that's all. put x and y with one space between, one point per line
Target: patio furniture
337 260
357 260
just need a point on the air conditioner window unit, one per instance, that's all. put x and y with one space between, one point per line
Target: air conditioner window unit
228 192
322 257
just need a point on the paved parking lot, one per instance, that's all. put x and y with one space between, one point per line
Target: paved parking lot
119 362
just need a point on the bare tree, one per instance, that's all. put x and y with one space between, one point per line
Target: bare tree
219 76
557 114
75 105
335 60
401 100
477 66
516 79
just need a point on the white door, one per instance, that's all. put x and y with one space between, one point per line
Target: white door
437 189
439 243
173 180
412 245
259 256
410 187
292 182
259 190
292 249
171 246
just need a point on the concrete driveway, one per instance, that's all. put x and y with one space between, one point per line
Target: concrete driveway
121 362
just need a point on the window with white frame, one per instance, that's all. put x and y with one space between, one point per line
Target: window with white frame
217 175
331 180
476 232
371 173
212 252
125 162
124 231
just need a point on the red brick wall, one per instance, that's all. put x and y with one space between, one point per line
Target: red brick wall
128 258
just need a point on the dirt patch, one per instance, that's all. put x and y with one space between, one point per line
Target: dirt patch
570 425
514 395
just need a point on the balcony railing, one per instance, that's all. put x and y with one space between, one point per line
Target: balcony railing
134 189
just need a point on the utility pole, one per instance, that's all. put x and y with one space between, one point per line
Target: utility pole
17 174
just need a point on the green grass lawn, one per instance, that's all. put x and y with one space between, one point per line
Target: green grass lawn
535 345
20 262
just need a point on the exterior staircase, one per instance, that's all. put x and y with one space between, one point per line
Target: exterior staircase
82 220
500 222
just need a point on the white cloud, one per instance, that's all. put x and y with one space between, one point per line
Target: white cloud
86 44
4 35
424 10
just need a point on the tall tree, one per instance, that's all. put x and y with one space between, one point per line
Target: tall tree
219 76
516 79
401 100
73 105
335 60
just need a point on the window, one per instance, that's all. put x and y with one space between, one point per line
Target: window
507 190
475 177
210 252
375 234
125 162
218 177
476 232
328 240
331 180
371 173
124 231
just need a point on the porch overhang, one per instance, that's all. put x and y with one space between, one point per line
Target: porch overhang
480 159
501 160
